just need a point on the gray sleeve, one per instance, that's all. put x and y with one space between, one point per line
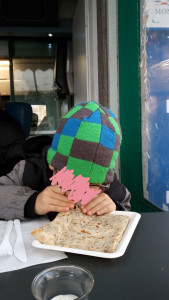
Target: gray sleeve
13 195
15 176
119 194
125 203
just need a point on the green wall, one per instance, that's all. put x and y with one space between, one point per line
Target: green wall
130 102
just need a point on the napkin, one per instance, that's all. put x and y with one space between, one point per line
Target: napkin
35 256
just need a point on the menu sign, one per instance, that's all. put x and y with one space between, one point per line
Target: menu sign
158 13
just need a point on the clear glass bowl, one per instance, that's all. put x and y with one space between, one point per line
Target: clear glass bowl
63 280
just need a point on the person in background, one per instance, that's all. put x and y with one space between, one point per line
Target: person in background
87 141
11 139
34 123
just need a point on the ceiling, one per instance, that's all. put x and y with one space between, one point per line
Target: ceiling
36 18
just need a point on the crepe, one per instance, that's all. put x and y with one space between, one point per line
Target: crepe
73 229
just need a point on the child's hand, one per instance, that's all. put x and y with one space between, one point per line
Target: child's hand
52 199
99 205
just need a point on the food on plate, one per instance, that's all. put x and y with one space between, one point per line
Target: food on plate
73 229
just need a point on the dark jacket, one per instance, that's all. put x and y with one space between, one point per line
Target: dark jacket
31 175
11 141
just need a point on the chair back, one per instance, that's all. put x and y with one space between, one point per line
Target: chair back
22 113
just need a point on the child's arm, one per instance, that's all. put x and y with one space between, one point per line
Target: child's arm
52 199
13 195
117 197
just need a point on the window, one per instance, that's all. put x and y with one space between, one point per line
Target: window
155 101
33 82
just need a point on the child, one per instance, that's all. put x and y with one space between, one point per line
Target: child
87 141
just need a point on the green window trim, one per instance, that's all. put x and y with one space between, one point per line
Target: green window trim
130 102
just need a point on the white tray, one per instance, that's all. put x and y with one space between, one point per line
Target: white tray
134 219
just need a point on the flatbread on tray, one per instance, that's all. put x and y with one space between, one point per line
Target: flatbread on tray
73 229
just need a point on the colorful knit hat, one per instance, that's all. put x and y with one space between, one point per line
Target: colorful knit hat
87 141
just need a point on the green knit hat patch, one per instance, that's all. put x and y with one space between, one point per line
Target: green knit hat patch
87 141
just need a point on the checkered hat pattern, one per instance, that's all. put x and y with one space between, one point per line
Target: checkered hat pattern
87 141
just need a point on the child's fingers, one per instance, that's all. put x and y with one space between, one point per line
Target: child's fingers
61 199
99 205
56 189
58 208
95 201
61 204
106 209
102 209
